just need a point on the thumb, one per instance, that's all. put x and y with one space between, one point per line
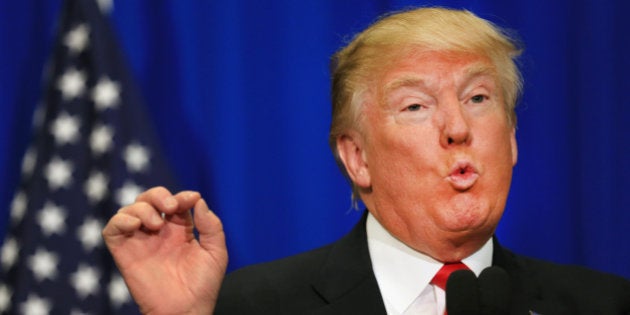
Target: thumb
210 228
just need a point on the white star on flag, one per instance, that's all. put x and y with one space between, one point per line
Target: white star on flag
18 207
35 305
9 253
127 194
77 39
71 84
85 280
28 163
39 115
58 173
52 219
101 139
96 187
89 233
75 311
105 6
65 129
43 264
5 298
118 291
137 157
106 94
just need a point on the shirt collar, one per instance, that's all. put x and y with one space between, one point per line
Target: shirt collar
403 273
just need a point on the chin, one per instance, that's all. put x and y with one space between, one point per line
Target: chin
465 215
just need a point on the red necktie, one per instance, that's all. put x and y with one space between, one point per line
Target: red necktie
442 275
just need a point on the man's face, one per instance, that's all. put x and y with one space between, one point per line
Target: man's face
436 152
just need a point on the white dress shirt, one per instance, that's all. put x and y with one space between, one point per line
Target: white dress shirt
403 274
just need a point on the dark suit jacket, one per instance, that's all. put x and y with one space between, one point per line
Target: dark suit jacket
338 279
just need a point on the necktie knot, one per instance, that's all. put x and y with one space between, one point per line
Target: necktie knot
442 275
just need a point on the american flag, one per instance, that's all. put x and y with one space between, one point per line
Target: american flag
92 152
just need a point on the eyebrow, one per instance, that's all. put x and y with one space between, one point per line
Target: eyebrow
405 81
479 69
475 70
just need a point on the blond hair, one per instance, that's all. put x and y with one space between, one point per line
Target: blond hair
425 29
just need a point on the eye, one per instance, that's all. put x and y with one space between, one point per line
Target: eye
414 107
478 98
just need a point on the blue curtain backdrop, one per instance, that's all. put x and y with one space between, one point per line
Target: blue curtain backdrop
239 91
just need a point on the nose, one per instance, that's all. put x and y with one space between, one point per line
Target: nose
454 125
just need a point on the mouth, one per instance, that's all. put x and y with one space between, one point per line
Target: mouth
463 176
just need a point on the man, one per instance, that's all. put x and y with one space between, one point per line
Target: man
424 128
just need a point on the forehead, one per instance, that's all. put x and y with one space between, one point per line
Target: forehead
426 68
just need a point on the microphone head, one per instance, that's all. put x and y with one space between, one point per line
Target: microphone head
462 293
495 291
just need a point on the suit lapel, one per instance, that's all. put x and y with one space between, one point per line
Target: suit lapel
527 292
346 280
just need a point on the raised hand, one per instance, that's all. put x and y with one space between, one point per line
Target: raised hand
166 269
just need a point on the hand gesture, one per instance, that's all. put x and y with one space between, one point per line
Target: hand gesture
167 270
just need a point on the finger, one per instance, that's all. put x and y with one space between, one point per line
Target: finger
211 236
182 214
186 200
160 198
150 218
210 228
121 224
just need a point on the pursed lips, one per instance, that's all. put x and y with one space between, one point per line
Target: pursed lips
462 176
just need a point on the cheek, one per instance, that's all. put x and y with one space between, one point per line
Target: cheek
499 158
401 175
498 140
398 155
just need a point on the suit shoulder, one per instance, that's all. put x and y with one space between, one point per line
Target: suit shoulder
575 275
333 277
579 287
289 269
273 287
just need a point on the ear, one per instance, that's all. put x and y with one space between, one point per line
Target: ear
353 156
514 146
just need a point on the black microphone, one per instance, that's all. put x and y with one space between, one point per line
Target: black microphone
494 291
462 293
